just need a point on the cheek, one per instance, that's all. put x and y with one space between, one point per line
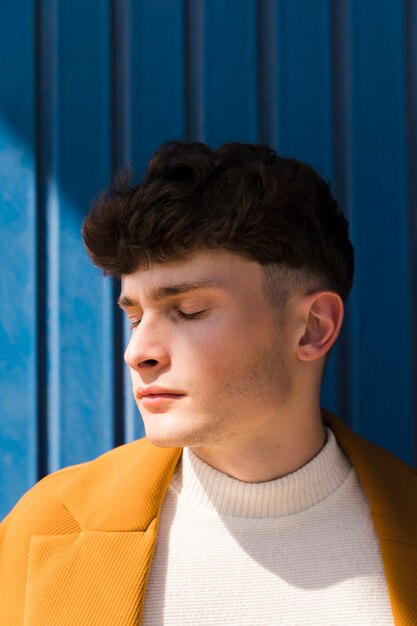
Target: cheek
216 342
222 348
212 355
227 328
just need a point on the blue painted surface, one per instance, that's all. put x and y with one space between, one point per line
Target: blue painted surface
229 72
18 249
382 372
76 381
156 77
88 86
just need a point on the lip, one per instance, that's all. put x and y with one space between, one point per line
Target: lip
153 400
152 393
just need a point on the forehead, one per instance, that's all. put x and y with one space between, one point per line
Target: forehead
208 268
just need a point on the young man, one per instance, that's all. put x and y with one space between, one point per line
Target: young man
245 504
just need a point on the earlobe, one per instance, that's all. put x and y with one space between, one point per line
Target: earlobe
324 316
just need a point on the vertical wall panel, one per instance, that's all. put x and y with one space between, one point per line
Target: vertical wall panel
89 85
157 92
79 316
229 71
18 276
304 95
380 301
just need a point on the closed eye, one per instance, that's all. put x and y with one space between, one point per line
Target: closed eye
190 316
185 316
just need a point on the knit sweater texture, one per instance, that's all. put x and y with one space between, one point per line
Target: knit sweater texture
300 550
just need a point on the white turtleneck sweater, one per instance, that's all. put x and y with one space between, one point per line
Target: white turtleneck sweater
300 550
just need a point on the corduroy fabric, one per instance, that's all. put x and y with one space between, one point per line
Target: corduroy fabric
77 548
37 513
85 599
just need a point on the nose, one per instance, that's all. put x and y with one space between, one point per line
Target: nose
148 347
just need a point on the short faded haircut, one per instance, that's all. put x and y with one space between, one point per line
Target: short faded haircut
240 197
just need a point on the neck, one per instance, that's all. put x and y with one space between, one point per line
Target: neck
289 443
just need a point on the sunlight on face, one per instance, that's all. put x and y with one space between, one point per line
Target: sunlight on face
207 355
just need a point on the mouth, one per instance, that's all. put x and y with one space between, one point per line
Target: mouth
153 399
157 395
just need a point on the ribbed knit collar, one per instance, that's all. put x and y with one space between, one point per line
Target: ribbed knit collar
206 487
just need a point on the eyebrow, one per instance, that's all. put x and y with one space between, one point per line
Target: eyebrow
168 291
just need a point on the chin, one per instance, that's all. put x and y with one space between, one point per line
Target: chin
166 435
169 435
166 440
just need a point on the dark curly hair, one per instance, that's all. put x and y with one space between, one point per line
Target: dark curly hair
240 197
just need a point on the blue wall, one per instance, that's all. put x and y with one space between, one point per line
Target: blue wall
87 85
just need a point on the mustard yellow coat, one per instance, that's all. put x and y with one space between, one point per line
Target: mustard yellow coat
77 549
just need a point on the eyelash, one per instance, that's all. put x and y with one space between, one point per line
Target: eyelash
190 316
185 316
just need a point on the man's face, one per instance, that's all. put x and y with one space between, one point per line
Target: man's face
208 355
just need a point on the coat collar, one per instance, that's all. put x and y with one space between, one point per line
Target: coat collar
119 495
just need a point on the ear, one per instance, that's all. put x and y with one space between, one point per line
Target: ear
323 312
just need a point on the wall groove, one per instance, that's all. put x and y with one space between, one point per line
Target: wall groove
44 59
341 98
194 110
266 65
410 39
120 128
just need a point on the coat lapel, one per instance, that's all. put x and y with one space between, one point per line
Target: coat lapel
99 575
91 577
391 488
